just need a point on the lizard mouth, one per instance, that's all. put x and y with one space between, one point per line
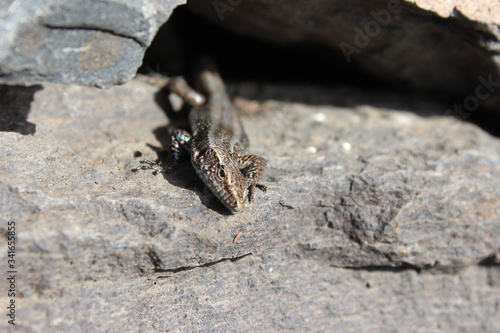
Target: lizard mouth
238 207
234 203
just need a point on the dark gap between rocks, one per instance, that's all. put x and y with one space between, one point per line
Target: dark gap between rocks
245 59
15 106
491 260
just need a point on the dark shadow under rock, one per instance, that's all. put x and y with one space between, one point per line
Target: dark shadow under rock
15 103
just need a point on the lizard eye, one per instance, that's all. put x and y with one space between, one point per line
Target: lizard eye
222 173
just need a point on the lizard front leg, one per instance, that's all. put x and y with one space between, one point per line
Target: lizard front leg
180 141
252 167
181 138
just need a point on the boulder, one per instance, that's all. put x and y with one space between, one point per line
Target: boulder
94 43
374 201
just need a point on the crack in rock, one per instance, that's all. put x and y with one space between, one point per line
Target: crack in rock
188 268
109 31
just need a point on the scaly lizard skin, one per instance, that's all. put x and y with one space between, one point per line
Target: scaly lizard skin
217 140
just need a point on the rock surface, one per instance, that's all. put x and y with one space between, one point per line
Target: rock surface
480 10
96 43
381 215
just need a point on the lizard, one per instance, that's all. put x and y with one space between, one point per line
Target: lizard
217 141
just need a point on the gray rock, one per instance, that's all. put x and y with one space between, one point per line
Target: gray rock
273 293
381 218
96 43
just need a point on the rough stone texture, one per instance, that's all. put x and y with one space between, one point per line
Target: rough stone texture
407 46
98 43
480 10
381 215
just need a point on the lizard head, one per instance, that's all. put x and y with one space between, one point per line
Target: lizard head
222 176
